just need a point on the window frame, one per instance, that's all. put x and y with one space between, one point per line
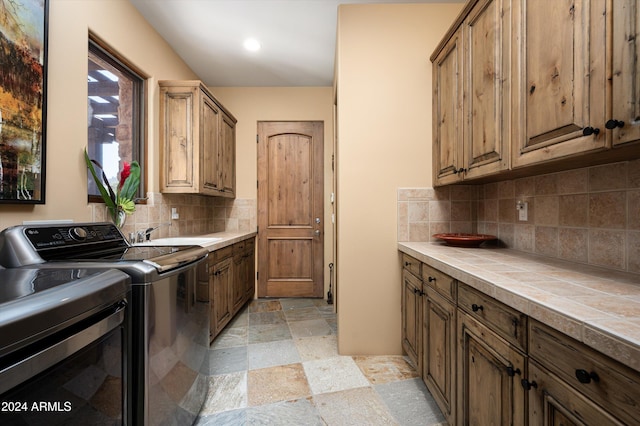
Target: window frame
100 49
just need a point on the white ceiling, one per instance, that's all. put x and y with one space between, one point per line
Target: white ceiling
298 38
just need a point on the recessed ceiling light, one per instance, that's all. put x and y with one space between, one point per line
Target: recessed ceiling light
251 44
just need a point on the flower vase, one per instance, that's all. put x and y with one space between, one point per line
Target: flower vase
118 217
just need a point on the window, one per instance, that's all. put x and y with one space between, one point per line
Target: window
114 117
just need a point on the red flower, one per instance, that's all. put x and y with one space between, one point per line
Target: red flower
124 174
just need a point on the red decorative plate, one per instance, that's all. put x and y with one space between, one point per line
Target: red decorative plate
464 240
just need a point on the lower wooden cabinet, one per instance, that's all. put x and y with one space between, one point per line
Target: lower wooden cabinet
486 363
553 402
489 377
231 282
564 368
221 285
412 318
439 348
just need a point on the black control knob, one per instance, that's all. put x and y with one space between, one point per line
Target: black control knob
78 233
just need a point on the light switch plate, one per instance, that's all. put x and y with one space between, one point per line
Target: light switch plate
523 211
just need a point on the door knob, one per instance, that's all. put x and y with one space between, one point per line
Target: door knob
317 232
317 220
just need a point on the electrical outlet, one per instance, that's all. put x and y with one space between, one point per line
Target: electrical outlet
523 210
174 213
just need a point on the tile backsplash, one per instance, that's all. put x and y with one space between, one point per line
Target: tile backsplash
589 215
198 215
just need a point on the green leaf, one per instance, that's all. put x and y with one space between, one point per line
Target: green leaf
131 184
126 204
111 205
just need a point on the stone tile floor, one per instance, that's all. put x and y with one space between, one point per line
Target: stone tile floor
277 364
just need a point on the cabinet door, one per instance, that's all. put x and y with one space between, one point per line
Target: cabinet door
178 172
221 285
552 402
489 373
626 72
559 79
250 283
227 160
209 135
412 318
439 351
240 277
486 99
447 112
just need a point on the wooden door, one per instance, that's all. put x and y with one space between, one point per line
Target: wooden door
290 209
486 99
447 112
626 72
489 374
209 128
559 79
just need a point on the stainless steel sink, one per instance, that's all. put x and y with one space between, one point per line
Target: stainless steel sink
180 241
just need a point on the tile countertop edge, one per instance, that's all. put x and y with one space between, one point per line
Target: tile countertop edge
227 239
606 334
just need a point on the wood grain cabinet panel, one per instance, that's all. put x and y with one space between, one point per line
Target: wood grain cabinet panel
197 141
624 121
559 79
599 379
448 116
489 373
232 282
471 96
439 348
412 318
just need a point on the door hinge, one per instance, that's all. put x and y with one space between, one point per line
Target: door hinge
257 138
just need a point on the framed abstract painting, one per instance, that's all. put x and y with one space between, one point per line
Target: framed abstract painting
23 78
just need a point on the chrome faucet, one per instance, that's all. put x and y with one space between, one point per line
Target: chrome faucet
146 234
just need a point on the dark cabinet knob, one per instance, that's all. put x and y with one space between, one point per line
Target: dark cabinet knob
512 371
460 170
527 385
590 131
476 308
584 376
407 263
432 279
612 124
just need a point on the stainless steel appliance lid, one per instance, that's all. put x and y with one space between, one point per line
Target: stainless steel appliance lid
38 302
98 242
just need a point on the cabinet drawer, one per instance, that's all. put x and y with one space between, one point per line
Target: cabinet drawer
411 264
507 322
439 281
220 254
598 377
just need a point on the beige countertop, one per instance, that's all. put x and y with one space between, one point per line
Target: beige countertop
597 306
226 239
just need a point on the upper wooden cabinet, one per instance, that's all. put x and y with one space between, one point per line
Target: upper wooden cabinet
197 141
541 82
471 96
559 79
624 119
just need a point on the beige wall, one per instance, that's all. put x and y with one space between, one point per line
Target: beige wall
383 142
252 104
120 25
